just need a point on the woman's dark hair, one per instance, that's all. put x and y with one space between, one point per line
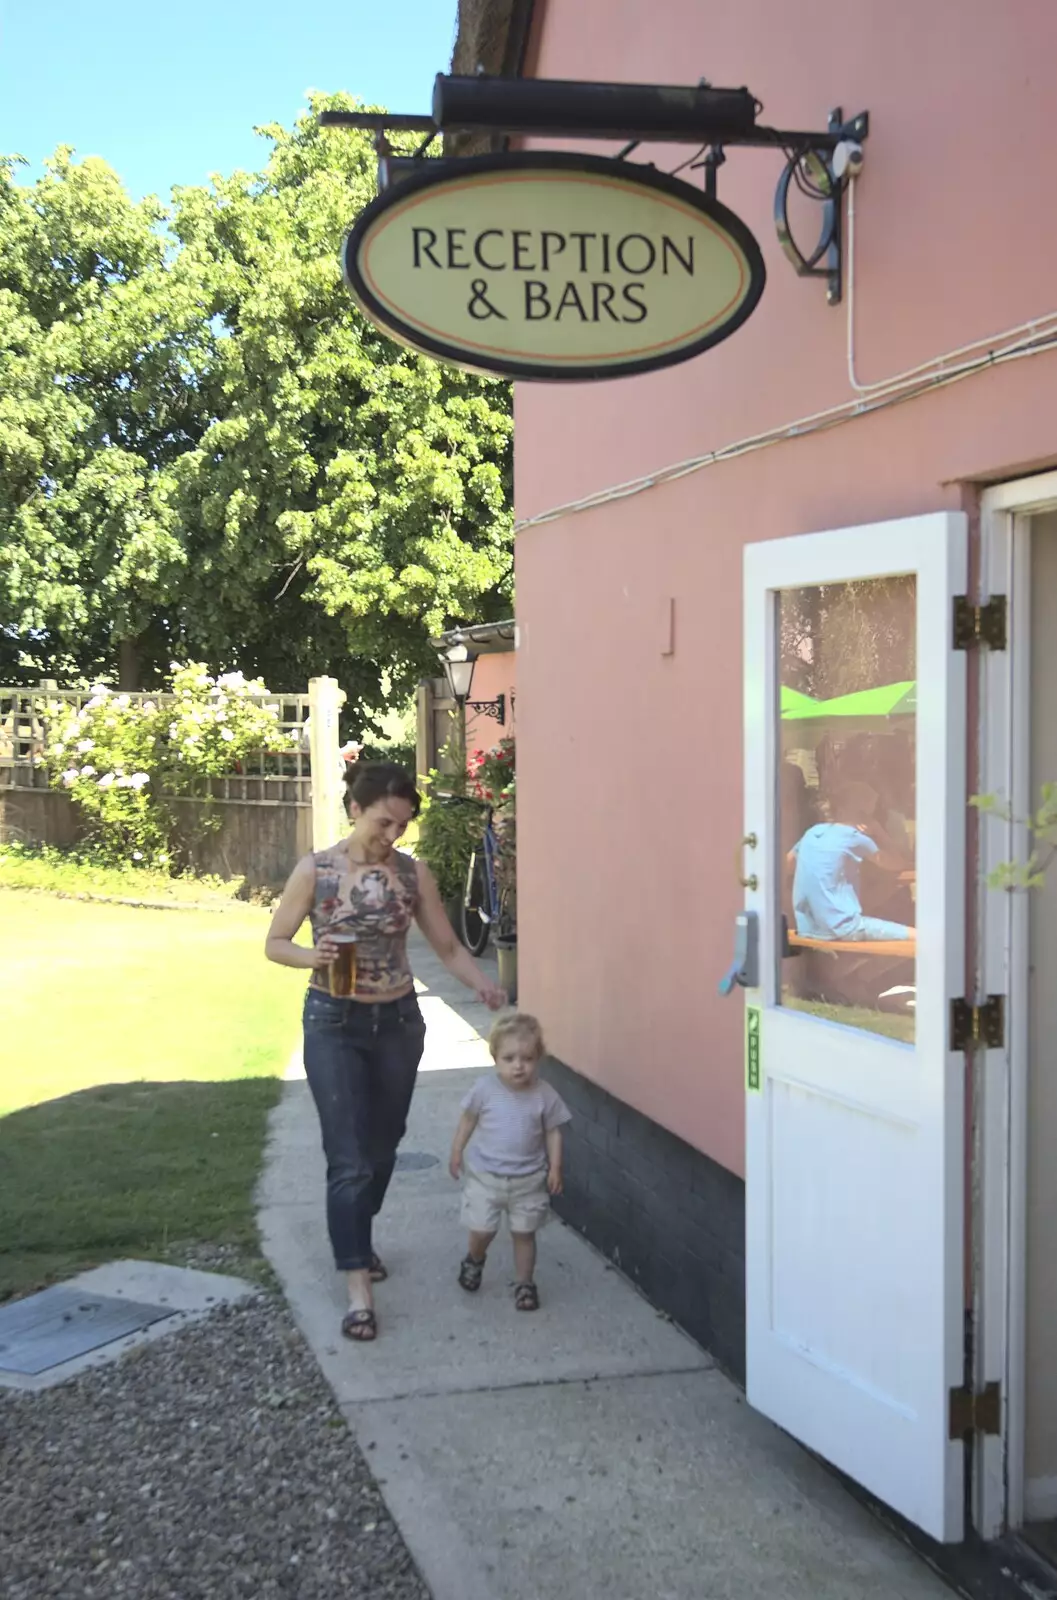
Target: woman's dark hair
370 781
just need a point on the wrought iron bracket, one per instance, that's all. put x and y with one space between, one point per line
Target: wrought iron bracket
819 165
490 708
819 174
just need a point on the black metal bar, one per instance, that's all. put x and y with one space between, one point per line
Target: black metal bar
378 121
560 109
771 138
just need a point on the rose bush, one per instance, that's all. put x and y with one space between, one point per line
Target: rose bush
122 758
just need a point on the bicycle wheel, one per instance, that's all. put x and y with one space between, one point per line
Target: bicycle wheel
506 921
475 926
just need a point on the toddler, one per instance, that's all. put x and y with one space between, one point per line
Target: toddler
514 1163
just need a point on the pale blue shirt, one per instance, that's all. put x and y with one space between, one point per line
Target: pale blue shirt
826 882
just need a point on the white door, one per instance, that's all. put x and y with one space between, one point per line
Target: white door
855 777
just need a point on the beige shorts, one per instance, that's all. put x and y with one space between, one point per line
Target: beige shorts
487 1198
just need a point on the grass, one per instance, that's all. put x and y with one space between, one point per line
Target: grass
41 867
142 1054
889 1024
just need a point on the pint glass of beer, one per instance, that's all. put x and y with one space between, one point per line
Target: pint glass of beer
342 971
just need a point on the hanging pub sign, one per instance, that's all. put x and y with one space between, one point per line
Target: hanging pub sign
552 266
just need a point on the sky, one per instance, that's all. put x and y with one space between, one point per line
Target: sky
168 94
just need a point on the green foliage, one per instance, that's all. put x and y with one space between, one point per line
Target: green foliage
1041 827
121 758
397 737
448 833
206 451
79 875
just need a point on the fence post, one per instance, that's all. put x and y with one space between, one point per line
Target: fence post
425 754
324 703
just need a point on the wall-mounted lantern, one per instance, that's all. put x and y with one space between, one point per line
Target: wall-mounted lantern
459 661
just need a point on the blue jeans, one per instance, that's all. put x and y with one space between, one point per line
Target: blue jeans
361 1061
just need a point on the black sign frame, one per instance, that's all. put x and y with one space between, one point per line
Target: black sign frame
434 173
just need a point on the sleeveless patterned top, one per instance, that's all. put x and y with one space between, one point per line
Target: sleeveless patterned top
377 902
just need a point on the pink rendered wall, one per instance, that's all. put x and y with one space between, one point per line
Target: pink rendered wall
492 676
627 831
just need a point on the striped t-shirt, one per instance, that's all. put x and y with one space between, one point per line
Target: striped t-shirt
509 1140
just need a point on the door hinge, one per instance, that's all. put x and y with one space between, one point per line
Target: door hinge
971 1413
980 625
979 1025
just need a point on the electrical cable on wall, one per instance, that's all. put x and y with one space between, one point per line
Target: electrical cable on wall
1015 344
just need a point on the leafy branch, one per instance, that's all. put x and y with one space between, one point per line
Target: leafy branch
1041 829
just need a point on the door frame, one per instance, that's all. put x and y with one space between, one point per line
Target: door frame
1000 1087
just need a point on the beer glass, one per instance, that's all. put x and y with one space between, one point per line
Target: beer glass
341 973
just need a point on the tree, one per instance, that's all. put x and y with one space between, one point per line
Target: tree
206 451
839 638
100 335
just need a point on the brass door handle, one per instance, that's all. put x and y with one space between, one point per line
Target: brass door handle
752 882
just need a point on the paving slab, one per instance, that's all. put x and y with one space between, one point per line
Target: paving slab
185 1293
652 1488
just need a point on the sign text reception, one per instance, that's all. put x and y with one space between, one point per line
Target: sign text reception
552 266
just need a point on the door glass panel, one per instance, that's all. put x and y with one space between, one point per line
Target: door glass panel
846 802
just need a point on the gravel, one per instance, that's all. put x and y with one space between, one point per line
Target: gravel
209 1465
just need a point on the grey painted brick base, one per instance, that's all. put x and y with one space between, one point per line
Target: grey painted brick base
672 1219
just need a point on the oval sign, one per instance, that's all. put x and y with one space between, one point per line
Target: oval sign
552 266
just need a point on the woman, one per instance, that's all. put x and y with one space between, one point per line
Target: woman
362 1052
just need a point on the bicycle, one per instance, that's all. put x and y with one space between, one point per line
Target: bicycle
484 907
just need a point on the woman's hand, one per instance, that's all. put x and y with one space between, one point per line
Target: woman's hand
325 952
554 1180
491 995
455 1164
433 920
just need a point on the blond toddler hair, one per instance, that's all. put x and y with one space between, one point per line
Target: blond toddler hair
521 1025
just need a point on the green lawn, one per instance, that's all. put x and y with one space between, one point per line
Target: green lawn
142 1053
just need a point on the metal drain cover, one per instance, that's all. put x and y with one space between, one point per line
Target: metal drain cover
415 1161
58 1325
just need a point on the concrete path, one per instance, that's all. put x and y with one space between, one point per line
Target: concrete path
590 1450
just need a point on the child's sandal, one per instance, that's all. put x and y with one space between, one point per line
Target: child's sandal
526 1297
470 1274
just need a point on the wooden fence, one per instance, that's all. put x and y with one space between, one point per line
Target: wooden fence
274 805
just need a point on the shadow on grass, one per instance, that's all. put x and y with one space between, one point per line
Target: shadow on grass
134 1169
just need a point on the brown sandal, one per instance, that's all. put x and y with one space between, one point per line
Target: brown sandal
526 1297
360 1325
378 1270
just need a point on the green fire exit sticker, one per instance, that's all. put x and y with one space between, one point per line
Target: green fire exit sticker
752 1049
